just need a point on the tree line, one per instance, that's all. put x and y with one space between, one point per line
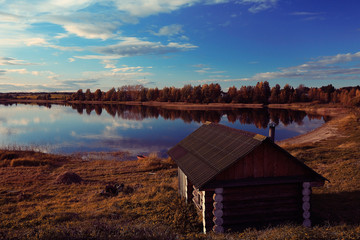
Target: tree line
212 93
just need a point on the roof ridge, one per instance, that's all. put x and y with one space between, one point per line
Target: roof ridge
256 136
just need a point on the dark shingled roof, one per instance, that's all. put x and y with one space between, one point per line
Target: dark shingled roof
211 149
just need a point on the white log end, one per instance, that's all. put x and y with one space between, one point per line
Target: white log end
219 190
218 221
218 197
307 223
306 192
218 205
218 213
306 215
306 185
306 198
306 206
218 229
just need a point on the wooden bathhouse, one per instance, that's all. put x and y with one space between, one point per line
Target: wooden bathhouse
239 179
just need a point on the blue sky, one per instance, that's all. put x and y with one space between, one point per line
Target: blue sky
66 45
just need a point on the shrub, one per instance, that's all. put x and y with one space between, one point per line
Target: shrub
26 162
68 178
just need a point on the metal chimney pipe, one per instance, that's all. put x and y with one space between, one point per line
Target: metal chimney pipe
272 131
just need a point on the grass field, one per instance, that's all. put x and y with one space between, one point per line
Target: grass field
35 204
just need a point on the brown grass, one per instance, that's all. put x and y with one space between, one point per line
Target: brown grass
33 204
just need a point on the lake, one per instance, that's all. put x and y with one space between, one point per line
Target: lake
134 129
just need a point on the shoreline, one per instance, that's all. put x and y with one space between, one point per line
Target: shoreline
168 105
325 131
185 106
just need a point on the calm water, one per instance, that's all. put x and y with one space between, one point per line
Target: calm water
136 129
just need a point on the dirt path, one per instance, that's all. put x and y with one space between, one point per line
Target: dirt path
328 129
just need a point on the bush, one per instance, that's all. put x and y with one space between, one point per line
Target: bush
68 178
28 162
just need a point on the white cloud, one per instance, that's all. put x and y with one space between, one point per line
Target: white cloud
339 58
116 75
127 69
23 71
259 5
61 35
200 65
75 49
35 41
90 31
218 80
306 13
143 8
219 76
8 17
97 57
134 47
19 71
109 63
308 16
12 61
44 43
184 38
38 7
323 68
181 46
170 30
225 24
203 70
71 59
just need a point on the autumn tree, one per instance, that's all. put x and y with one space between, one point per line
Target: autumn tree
142 95
232 95
88 95
98 95
78 96
275 94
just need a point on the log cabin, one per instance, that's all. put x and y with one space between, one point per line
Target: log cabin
239 179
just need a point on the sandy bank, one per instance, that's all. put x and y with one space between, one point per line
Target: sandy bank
327 130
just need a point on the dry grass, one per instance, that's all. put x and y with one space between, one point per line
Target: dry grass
33 206
337 159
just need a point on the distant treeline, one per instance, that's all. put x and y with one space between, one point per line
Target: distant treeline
212 93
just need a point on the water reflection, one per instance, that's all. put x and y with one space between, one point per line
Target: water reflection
258 117
137 129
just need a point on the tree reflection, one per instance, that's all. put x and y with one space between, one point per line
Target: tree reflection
260 117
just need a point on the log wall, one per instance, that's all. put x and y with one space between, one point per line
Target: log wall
260 205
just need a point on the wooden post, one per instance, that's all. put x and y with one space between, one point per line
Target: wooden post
203 206
218 212
306 192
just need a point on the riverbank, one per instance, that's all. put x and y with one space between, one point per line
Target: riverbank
322 109
168 105
327 130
